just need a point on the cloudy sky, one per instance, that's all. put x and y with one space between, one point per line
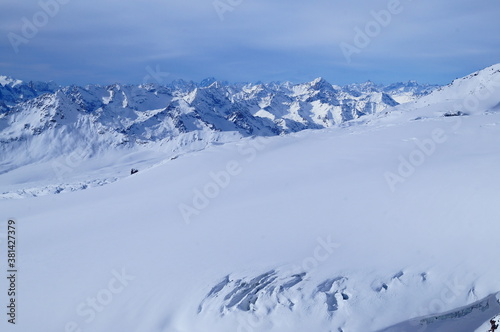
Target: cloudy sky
344 41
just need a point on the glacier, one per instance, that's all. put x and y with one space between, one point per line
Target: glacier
294 225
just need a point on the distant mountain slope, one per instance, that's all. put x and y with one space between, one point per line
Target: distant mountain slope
14 91
126 116
476 93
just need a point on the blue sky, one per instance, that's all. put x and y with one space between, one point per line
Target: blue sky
80 42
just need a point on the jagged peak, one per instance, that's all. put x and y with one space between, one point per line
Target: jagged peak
7 80
215 85
319 83
207 82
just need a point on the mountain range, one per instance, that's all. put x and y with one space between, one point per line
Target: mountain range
272 207
124 116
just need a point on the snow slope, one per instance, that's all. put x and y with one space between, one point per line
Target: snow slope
60 129
387 223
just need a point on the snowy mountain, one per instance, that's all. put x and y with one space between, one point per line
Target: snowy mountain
474 94
183 116
383 219
9 81
14 91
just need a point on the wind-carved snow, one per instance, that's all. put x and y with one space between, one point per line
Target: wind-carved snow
269 290
332 292
277 293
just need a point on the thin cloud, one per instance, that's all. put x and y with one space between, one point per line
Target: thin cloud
102 42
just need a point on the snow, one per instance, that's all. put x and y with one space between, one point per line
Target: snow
5 80
297 232
487 326
41 122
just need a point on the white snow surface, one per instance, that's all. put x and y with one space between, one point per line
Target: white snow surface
60 129
5 80
386 223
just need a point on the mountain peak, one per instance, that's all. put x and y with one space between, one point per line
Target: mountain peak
207 82
319 83
9 81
